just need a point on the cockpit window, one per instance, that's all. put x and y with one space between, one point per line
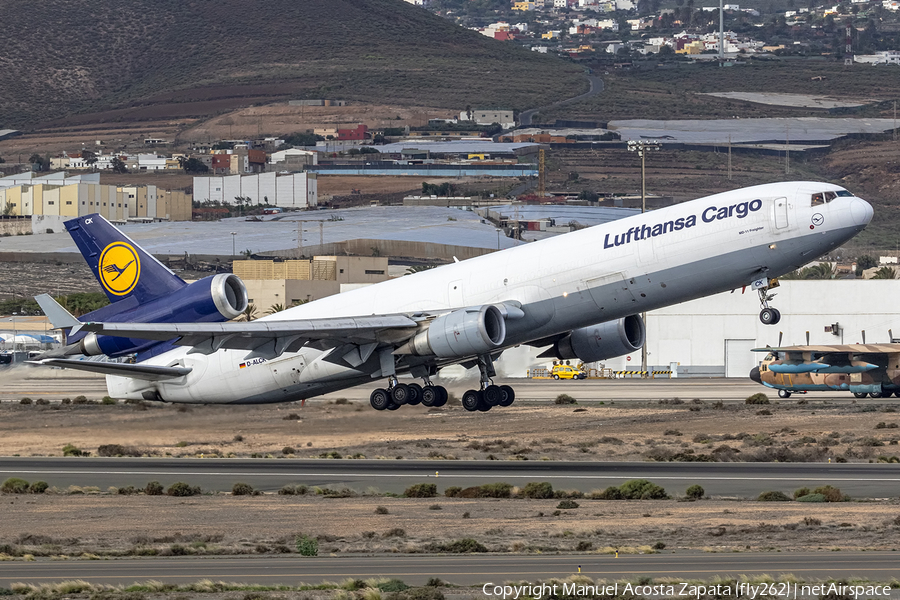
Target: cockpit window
823 197
844 194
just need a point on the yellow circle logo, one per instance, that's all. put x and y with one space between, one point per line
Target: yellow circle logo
120 268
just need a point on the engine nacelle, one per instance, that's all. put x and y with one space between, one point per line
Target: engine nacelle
602 341
210 300
463 332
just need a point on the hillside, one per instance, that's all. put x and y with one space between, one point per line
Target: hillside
173 58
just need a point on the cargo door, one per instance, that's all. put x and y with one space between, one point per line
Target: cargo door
781 213
610 291
455 294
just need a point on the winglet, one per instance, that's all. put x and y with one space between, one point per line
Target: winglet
59 317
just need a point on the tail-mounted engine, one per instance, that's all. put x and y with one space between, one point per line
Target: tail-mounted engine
602 341
210 300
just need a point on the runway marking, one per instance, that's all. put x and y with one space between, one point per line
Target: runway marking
445 475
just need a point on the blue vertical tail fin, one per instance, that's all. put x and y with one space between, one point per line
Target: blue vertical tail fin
124 269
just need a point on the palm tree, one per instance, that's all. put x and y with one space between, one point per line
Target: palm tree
885 273
249 313
275 308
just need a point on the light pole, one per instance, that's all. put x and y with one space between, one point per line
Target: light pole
233 233
641 148
498 238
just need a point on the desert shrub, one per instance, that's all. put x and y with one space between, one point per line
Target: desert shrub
584 546
108 401
463 546
495 490
452 491
79 400
758 398
38 487
811 521
659 546
14 485
565 399
421 490
672 432
610 493
435 507
238 438
800 492
342 401
288 450
154 488
392 585
832 494
567 504
466 515
291 417
701 438
381 510
395 532
538 490
695 492
307 546
812 498
180 489
293 490
26 400
127 491
42 402
242 489
117 450
70 450
773 496
642 489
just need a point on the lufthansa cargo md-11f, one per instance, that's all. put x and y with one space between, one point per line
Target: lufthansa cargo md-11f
584 308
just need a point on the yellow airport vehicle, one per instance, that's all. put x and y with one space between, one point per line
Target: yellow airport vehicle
567 372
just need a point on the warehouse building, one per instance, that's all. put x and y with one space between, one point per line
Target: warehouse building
298 190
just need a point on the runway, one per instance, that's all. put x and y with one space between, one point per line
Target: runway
475 569
746 480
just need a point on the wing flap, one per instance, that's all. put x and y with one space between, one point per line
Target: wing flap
135 371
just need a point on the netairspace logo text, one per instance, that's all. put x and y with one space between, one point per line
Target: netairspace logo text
788 591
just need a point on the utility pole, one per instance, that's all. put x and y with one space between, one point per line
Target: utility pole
721 32
787 150
729 157
641 148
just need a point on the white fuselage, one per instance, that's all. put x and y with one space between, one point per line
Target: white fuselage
595 275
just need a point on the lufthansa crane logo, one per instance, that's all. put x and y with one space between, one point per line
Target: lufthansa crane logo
120 268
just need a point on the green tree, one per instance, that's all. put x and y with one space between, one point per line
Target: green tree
275 308
89 158
885 273
305 138
192 165
249 313
118 166
866 261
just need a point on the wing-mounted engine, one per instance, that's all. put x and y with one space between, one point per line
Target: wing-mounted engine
464 332
600 342
210 300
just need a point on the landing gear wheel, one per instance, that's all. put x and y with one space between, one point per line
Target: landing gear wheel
769 316
860 394
471 400
442 395
510 396
415 394
400 394
430 396
484 406
492 395
380 399
878 394
784 394
393 406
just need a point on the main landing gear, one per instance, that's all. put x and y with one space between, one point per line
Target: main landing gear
397 394
768 315
489 395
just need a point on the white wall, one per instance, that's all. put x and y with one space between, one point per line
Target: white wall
694 333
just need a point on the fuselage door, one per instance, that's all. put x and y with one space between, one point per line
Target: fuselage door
455 294
781 213
610 291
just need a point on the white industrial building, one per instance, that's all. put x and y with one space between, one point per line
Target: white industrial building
297 190
713 336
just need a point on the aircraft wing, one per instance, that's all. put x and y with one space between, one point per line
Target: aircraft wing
267 338
138 371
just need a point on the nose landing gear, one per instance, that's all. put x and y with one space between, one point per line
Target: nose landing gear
768 315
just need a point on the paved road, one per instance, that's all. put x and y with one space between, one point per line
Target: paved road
527 390
718 479
596 86
461 570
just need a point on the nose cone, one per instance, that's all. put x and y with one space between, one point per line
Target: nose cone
754 375
861 212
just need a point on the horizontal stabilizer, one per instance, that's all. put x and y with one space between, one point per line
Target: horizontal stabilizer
59 317
138 371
